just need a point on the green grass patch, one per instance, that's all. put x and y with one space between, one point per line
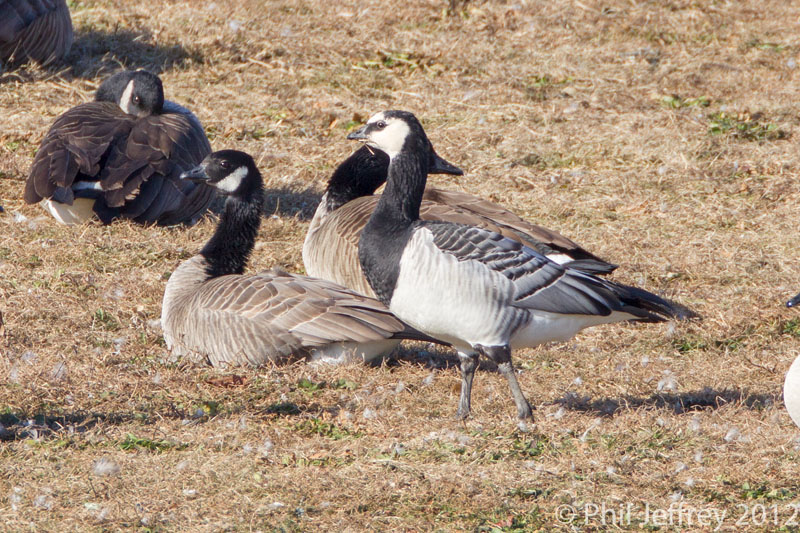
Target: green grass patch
673 101
315 426
745 127
134 443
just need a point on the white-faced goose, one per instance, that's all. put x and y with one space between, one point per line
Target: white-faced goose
473 288
38 30
121 157
330 250
213 312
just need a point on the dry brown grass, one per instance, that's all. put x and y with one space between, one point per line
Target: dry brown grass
557 110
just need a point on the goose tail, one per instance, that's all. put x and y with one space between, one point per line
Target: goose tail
648 307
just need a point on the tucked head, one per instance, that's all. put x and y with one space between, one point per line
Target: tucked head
136 92
390 131
231 172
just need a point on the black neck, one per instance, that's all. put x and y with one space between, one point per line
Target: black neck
229 249
359 175
391 225
408 173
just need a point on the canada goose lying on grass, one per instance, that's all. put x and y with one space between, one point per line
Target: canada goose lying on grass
121 157
330 250
213 312
481 292
38 30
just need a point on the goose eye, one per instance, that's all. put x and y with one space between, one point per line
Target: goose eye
380 124
225 165
136 99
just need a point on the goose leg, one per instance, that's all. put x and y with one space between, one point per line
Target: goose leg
501 355
469 362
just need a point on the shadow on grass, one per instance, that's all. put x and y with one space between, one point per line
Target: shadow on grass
95 52
281 202
20 425
291 203
98 53
706 398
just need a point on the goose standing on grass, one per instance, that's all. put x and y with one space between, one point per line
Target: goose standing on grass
121 157
38 30
213 312
473 288
330 250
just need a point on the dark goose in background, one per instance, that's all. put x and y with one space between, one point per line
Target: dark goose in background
121 157
38 30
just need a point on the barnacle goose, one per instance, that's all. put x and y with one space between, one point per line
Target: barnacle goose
38 30
330 250
121 157
473 288
213 312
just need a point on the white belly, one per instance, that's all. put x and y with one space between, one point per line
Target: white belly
791 391
79 212
346 352
457 302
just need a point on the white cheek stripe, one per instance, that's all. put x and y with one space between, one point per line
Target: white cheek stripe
391 138
232 181
125 99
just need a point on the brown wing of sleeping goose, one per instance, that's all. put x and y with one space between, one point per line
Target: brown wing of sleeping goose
136 161
34 29
278 317
141 176
333 245
73 149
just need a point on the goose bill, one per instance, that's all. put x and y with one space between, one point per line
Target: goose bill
198 173
359 135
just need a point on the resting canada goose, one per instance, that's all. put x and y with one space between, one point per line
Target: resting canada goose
794 301
39 30
330 250
213 312
121 157
473 288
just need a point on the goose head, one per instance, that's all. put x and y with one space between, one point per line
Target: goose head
231 172
136 92
392 131
794 301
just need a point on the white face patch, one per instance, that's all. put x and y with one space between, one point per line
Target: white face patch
125 99
232 181
391 138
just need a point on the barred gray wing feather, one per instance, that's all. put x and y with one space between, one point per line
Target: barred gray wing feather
462 208
541 284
